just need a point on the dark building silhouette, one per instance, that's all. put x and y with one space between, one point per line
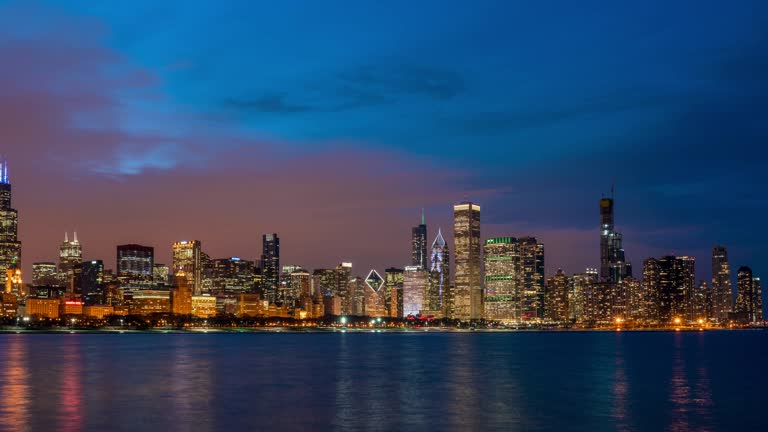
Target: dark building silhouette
270 262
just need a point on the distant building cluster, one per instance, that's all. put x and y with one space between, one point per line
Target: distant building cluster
499 279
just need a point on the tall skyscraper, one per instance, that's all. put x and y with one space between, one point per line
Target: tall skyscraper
232 275
613 266
468 286
135 266
161 275
439 276
582 302
70 255
270 261
181 294
557 290
533 281
503 279
670 282
393 295
722 290
757 286
10 246
187 258
745 296
419 244
414 290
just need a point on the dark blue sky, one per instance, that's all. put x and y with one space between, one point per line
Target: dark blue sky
329 120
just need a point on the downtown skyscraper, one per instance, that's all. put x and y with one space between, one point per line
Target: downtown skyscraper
419 244
187 257
10 246
722 289
70 255
468 283
613 266
439 276
270 265
135 266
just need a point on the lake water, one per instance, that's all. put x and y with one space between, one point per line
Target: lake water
592 381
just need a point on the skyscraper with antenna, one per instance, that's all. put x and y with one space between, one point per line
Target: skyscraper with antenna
70 255
10 246
419 255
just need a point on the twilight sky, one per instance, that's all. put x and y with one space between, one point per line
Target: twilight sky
332 123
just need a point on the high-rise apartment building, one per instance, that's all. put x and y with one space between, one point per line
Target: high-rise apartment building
746 298
670 283
10 246
722 289
187 256
468 285
419 244
556 302
270 262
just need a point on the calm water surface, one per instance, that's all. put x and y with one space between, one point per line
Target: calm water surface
713 381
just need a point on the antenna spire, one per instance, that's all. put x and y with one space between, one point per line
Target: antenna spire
75 241
422 215
66 237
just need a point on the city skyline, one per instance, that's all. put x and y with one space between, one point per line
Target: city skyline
446 112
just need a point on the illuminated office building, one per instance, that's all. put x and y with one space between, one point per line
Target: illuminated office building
722 289
14 283
613 266
89 280
503 279
9 305
270 262
414 290
10 246
582 301
135 266
187 257
439 277
181 294
393 291
301 282
204 306
70 255
161 275
468 285
419 244
533 281
557 288
669 283
44 274
701 302
232 275
745 295
146 302
342 277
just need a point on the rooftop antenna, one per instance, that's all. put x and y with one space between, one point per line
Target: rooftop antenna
75 240
66 237
422 215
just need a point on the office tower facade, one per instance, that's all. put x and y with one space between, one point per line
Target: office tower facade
439 277
468 285
181 294
270 262
10 246
300 282
70 255
135 266
701 302
414 290
44 274
613 265
232 275
89 280
722 289
745 295
187 257
393 294
503 279
161 275
374 295
533 281
14 284
419 244
556 301
670 283
583 298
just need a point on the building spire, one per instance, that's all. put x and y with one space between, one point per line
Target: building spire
66 237
422 215
75 240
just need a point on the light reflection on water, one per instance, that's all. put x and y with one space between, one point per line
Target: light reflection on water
383 381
